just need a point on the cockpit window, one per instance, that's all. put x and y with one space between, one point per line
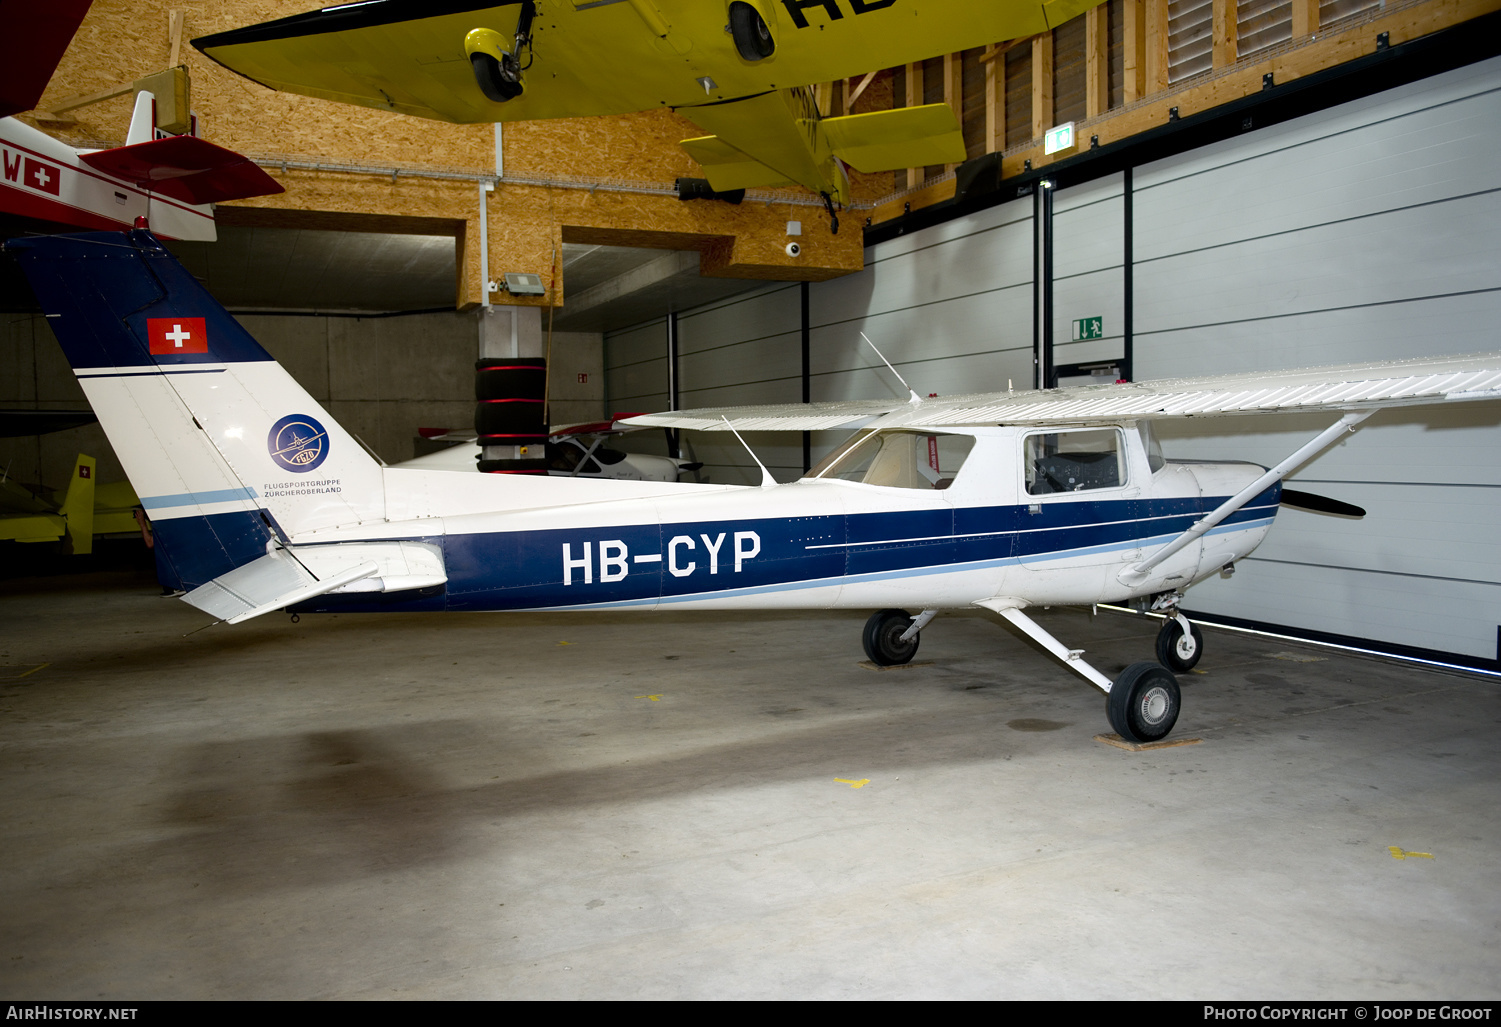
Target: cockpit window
899 459
1074 461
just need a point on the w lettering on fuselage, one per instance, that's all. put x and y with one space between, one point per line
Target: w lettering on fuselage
795 8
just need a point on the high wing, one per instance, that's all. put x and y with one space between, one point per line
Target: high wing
593 57
47 29
784 417
1335 387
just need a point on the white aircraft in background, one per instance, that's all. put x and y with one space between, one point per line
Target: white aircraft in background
998 501
576 452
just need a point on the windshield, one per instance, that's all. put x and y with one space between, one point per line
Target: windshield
898 459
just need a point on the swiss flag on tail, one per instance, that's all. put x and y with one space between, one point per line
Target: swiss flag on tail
177 335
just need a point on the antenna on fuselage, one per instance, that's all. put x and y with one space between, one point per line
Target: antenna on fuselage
766 478
910 391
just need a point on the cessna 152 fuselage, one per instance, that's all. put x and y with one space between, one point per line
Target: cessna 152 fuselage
994 501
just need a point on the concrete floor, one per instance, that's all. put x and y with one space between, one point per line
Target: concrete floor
650 806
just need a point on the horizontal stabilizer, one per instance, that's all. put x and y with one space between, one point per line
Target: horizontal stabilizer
285 577
185 168
727 168
908 137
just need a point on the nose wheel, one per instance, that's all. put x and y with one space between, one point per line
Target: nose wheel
1179 644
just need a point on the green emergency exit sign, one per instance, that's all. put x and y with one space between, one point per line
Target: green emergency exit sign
1089 328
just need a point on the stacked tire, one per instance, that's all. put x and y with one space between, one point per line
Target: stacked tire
509 412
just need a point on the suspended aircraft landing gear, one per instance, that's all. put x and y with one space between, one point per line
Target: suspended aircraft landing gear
1143 703
883 638
828 205
1179 643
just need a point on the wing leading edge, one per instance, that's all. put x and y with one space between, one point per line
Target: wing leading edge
1335 387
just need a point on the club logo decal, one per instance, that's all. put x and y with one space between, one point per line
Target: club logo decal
297 443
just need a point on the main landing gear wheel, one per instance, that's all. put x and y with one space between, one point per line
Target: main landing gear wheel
1176 650
752 38
882 638
1143 703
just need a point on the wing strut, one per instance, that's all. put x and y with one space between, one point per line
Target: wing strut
1073 659
1138 572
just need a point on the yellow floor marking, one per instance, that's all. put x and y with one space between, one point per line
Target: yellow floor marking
1400 853
565 643
853 784
33 670
653 698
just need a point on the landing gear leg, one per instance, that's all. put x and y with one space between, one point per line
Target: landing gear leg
1142 704
828 205
1179 643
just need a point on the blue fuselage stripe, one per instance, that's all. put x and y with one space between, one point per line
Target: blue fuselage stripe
649 564
197 498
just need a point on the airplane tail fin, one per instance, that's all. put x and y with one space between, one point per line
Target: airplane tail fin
226 451
78 507
142 119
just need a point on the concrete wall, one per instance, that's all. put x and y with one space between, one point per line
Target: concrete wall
1368 231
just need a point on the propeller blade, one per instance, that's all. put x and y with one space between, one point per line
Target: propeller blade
1319 504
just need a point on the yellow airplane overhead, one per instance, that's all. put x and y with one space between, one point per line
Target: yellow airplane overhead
707 59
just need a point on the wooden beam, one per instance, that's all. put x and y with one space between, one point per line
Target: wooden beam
995 106
1156 46
72 103
1226 49
953 90
867 80
999 49
1042 84
1096 61
1135 57
1305 18
174 34
913 98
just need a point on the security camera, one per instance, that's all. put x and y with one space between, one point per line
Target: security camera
794 250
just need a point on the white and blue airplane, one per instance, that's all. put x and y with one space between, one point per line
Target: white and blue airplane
998 501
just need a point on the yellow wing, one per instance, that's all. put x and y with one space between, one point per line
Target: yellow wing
591 57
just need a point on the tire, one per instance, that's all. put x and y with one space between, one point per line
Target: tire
499 80
752 38
1143 703
882 638
1176 651
503 378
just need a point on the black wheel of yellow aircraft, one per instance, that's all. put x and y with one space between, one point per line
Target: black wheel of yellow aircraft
883 638
748 29
1143 702
499 80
